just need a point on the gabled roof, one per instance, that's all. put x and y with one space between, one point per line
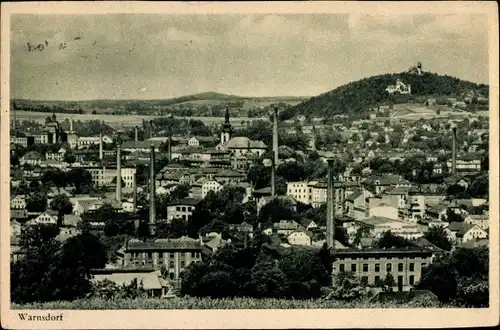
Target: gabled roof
352 197
242 142
186 201
455 226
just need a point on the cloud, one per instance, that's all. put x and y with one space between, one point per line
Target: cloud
171 55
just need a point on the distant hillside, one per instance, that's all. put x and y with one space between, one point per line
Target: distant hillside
140 105
358 97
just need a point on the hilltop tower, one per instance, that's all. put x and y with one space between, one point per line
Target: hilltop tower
227 129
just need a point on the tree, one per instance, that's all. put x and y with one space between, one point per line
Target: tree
305 273
143 230
389 240
41 275
175 229
439 278
276 210
84 251
437 236
347 286
69 157
267 280
451 216
37 202
388 282
62 205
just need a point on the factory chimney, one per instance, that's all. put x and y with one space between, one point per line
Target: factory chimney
150 129
454 152
313 141
71 125
100 143
330 220
169 145
275 136
118 174
152 190
136 130
134 187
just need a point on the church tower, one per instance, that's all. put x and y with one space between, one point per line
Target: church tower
226 129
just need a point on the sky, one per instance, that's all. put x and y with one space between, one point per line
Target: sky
145 56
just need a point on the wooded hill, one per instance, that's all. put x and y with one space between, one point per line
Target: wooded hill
356 98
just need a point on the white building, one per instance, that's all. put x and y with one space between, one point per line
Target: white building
210 185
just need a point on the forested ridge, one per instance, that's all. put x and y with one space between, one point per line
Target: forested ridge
359 96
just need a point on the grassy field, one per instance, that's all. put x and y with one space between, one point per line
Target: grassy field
117 121
417 111
207 303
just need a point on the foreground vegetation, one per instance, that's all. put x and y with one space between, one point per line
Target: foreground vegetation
207 303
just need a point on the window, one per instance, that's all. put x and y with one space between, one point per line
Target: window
377 279
353 267
150 255
388 267
171 255
365 267
171 275
193 254
342 268
171 264
400 267
377 268
412 279
412 267
183 264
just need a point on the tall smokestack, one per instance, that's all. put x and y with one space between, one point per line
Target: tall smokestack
330 220
313 142
100 143
454 152
169 146
136 134
150 129
71 125
118 174
134 186
275 136
152 190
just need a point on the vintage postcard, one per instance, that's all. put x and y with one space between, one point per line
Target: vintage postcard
249 165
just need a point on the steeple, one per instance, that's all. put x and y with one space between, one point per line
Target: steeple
226 121
226 129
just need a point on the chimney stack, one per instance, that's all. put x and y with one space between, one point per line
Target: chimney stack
313 142
134 186
100 143
136 130
152 191
169 145
330 220
454 152
71 125
118 174
275 136
150 129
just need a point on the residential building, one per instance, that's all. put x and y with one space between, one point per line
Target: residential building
18 202
103 176
377 226
182 209
152 281
32 158
210 185
480 220
315 193
299 238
